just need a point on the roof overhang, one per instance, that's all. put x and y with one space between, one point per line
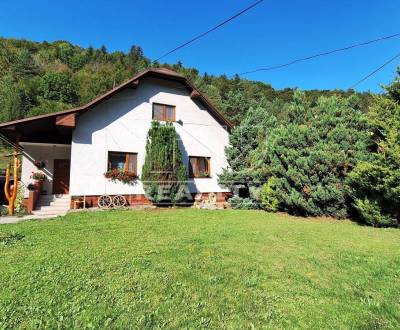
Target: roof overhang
56 128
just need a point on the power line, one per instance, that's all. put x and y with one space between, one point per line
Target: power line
274 67
211 30
375 71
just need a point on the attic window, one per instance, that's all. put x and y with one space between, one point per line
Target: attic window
163 112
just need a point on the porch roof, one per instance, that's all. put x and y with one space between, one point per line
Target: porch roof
40 129
57 127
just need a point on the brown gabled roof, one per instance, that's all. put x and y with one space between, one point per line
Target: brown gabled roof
162 73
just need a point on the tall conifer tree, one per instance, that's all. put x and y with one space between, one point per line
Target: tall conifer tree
164 176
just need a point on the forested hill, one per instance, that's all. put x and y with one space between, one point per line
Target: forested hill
43 77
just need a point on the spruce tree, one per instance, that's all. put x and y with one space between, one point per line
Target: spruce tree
164 176
298 162
310 156
376 183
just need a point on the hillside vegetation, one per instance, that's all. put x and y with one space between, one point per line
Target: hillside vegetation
43 77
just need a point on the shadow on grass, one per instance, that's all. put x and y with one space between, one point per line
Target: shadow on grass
10 238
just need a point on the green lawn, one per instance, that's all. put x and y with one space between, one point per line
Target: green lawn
195 269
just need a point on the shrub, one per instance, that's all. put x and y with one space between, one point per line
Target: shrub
375 184
164 176
268 195
20 209
240 203
4 210
307 155
243 141
255 194
370 211
310 157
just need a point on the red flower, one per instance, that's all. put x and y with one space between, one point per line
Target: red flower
40 176
120 175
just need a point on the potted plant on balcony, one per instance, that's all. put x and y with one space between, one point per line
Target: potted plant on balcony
39 178
40 164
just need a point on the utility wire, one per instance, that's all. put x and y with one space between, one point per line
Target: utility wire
207 32
274 67
375 71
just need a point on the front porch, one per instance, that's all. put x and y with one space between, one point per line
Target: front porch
43 145
55 158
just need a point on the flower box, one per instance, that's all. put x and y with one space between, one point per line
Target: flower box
120 175
38 176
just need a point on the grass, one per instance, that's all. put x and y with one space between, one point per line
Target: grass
197 269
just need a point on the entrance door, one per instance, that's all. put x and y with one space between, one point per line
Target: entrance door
61 176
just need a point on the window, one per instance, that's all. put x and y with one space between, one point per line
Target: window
199 167
125 161
163 112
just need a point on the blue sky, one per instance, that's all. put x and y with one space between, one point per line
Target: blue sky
272 33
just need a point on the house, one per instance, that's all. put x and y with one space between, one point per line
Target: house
77 146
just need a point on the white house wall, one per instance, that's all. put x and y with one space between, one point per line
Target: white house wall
121 124
42 152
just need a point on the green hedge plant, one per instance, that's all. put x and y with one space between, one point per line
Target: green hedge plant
375 184
164 175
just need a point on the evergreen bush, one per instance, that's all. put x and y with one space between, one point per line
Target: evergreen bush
164 175
300 161
268 195
375 185
312 154
243 141
240 203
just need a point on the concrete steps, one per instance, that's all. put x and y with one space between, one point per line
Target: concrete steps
52 205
